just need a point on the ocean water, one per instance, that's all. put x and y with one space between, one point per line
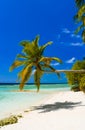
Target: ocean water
12 101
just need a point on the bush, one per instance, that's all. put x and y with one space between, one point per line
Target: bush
82 84
10 120
75 88
76 79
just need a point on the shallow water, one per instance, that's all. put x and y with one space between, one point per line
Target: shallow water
11 102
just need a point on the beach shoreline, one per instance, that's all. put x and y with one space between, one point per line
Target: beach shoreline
14 101
66 108
30 108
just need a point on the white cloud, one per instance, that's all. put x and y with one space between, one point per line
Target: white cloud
72 35
55 64
71 60
33 72
65 30
76 36
76 44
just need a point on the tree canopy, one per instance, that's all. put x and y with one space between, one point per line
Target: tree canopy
76 78
80 18
32 60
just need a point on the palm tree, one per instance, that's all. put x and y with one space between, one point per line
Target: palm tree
32 59
81 27
80 18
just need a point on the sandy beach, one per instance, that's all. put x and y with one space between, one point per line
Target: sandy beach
62 111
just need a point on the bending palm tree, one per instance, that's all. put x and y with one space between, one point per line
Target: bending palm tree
33 59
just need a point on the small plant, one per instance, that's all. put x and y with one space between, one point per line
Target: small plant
9 120
82 84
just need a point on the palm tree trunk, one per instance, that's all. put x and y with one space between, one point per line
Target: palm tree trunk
65 71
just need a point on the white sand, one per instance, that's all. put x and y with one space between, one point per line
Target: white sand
63 111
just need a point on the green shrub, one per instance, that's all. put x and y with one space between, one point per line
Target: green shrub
76 79
75 88
9 120
82 84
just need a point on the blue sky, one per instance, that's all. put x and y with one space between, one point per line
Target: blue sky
52 20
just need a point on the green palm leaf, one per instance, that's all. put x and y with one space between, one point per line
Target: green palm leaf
77 19
54 70
49 68
57 59
79 3
42 48
27 47
24 43
30 47
24 75
24 70
21 56
80 17
16 64
36 40
81 11
83 36
49 59
78 29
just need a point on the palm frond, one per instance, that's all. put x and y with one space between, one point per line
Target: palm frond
42 48
16 64
50 69
24 75
81 11
83 20
57 59
24 43
28 49
79 3
36 40
83 36
21 56
78 29
77 19
49 59
31 49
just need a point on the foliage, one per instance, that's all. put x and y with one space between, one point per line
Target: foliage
75 78
32 59
79 3
82 84
80 17
75 88
9 120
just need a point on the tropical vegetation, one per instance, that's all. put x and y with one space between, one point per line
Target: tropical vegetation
77 80
80 18
32 60
82 84
79 3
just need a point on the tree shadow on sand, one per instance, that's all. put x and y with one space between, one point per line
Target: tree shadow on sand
57 106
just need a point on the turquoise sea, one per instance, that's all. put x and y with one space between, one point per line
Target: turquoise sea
12 101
